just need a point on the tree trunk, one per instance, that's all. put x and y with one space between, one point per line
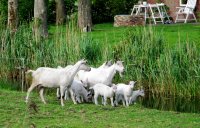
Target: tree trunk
84 15
12 14
60 12
40 19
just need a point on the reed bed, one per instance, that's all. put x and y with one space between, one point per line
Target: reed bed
159 68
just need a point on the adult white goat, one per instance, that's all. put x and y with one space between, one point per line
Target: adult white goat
102 75
52 77
77 83
124 91
107 64
105 91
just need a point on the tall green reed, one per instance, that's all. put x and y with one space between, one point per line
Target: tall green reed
61 48
160 68
148 59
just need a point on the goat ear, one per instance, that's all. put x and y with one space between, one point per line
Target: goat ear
84 60
114 87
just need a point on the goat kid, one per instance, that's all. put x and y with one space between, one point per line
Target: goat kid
104 91
125 91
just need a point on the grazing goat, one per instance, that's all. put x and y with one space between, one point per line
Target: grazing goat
102 75
79 92
105 91
135 94
52 77
133 98
125 91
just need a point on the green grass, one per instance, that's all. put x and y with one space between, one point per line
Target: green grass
15 113
172 33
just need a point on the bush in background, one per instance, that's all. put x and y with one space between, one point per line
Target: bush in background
70 8
102 10
105 10
25 10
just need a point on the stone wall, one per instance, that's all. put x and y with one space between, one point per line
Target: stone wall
128 20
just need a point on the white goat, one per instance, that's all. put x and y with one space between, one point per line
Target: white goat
107 64
135 94
125 91
76 81
105 91
79 92
102 75
51 77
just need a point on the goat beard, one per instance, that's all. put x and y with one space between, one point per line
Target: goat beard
120 74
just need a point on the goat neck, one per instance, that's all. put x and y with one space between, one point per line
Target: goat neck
111 71
72 71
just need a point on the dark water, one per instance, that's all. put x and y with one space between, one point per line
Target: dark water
172 103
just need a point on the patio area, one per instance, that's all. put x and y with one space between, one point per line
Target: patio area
151 12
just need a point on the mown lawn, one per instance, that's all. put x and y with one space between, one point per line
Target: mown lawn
172 33
15 113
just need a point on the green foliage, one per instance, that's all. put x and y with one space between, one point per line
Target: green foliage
3 11
26 10
105 10
51 11
70 8
163 69
91 50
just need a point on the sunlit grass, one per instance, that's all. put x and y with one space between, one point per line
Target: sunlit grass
16 113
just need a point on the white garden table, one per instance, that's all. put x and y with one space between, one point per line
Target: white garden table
150 11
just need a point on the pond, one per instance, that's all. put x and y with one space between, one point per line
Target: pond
172 103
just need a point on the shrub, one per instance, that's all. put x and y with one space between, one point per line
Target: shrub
105 10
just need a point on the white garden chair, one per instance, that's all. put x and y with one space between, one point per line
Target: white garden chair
187 11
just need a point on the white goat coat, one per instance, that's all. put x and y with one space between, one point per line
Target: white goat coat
55 77
100 75
79 90
51 77
125 91
135 95
105 91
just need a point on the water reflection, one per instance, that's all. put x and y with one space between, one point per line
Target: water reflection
171 102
